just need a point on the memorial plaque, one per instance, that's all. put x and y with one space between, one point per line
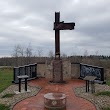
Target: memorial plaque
90 78
27 69
90 70
22 70
33 70
16 73
30 70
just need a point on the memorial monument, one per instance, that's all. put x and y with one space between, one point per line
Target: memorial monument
57 62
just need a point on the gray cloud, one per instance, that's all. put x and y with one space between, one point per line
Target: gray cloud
25 21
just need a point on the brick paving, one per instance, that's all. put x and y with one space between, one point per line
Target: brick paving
73 102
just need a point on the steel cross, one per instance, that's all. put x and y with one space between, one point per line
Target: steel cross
57 27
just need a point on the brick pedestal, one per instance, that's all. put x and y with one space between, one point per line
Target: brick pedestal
55 101
57 71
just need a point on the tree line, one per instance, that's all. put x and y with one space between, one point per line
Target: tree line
24 56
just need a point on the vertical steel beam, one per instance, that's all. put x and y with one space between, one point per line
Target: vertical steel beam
57 37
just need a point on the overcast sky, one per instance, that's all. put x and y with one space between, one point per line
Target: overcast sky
27 22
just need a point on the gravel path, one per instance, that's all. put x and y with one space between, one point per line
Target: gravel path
100 101
17 97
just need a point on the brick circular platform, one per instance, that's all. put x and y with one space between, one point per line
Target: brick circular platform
55 100
73 102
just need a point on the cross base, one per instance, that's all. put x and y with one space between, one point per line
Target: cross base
57 71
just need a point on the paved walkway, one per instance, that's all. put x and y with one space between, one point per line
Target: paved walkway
73 102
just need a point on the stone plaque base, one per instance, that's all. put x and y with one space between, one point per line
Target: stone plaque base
22 91
57 71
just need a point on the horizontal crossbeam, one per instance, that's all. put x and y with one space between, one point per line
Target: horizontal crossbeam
64 26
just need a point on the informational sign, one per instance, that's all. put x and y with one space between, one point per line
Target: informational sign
89 70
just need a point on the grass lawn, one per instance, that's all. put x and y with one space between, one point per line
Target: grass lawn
4 107
105 108
8 95
108 82
6 77
107 93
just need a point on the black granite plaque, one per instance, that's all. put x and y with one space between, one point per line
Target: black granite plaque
90 70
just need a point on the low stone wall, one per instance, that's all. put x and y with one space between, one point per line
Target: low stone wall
75 70
41 70
66 70
107 74
49 71
69 70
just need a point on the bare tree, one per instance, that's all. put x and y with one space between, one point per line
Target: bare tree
28 54
39 51
64 55
51 54
85 53
18 53
50 57
96 53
